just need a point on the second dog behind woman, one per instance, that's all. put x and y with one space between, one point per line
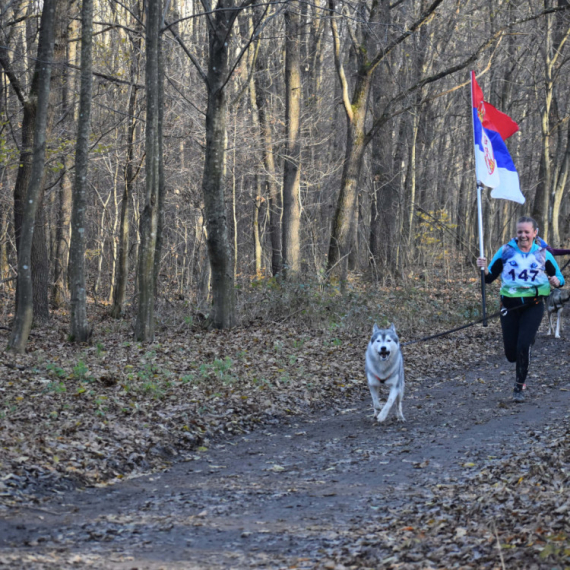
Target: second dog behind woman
527 271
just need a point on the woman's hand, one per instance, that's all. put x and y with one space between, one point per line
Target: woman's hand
554 281
482 263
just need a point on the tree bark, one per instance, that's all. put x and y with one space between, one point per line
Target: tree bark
79 329
24 302
122 267
343 221
161 180
544 191
559 192
368 57
62 237
292 157
256 240
144 327
272 189
219 248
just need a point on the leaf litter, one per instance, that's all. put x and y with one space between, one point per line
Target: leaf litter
100 414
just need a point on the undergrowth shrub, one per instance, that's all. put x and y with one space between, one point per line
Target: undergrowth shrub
413 306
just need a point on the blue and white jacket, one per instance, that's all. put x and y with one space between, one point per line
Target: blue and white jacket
524 274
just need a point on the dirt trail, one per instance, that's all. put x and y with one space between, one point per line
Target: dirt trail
290 494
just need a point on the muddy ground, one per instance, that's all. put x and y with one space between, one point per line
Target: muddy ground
335 490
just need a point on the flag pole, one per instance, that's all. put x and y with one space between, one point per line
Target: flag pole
481 251
479 216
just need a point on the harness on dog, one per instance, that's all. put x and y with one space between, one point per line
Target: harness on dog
380 379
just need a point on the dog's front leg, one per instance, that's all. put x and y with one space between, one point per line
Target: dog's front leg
375 393
389 403
399 408
550 327
558 315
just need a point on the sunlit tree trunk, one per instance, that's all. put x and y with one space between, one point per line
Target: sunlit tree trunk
560 191
367 55
342 227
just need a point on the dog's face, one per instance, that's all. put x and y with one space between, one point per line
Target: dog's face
384 342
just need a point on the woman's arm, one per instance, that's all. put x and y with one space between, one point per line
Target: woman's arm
495 268
553 271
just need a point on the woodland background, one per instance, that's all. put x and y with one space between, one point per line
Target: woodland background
303 169
310 142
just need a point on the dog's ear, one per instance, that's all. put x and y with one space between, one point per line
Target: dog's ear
375 329
392 327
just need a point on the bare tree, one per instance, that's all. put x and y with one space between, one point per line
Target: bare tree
149 225
292 158
80 330
272 189
24 291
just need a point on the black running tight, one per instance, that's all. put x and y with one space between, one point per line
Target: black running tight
520 326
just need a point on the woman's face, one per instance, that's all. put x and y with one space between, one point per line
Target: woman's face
526 234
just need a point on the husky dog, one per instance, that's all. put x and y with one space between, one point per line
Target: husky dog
554 304
385 365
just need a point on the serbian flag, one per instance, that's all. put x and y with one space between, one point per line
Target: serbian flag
493 163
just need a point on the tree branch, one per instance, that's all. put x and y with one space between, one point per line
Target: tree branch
191 57
338 64
423 19
497 36
14 81
256 33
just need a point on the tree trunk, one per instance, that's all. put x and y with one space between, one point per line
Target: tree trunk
161 181
62 237
40 261
100 241
24 302
4 269
256 241
122 268
559 192
271 187
292 158
79 329
144 327
343 221
544 191
219 248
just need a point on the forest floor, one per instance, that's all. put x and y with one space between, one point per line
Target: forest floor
255 448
